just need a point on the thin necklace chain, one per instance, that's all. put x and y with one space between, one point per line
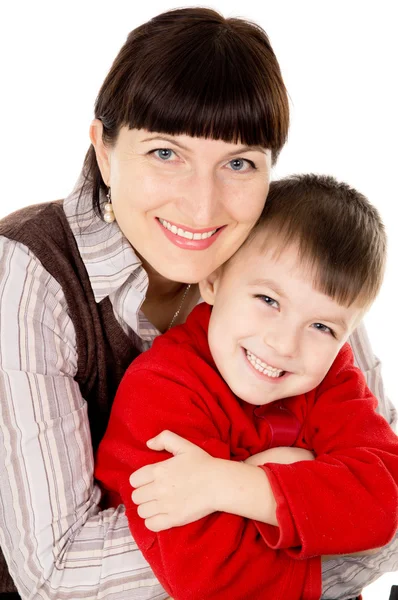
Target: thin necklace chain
177 312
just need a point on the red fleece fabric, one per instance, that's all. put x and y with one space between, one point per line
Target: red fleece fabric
344 501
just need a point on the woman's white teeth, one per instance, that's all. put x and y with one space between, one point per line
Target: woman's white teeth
262 366
186 234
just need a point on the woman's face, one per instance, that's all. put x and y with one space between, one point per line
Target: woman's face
185 204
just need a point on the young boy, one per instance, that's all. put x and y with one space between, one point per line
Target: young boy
266 366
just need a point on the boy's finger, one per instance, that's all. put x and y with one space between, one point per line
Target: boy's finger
158 523
141 476
142 494
148 509
171 442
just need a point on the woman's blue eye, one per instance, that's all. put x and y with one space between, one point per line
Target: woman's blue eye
323 328
239 164
163 153
268 300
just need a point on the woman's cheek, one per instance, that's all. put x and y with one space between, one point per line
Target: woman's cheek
248 207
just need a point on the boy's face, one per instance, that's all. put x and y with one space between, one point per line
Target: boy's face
267 312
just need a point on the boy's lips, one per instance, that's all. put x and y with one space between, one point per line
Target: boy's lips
263 374
276 376
254 359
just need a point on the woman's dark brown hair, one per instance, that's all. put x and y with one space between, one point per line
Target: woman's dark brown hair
190 71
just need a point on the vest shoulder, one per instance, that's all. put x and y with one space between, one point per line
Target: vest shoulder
35 215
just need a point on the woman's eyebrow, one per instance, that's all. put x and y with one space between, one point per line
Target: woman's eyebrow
170 140
244 149
234 152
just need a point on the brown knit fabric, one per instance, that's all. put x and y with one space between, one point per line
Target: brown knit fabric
104 349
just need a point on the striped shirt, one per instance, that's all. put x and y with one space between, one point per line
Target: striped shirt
57 541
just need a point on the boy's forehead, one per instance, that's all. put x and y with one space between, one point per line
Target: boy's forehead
260 251
256 263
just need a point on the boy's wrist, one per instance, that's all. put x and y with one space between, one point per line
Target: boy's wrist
217 483
243 490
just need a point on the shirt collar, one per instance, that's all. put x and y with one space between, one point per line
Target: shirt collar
107 255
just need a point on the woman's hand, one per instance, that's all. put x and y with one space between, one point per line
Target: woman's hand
178 490
282 455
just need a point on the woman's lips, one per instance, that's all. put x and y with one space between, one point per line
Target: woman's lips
188 244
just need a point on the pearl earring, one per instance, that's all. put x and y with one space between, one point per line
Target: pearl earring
109 215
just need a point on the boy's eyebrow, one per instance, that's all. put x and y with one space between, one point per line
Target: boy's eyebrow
335 321
270 284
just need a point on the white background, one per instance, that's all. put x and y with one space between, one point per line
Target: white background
339 60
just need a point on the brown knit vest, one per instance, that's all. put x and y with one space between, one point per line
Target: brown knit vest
104 350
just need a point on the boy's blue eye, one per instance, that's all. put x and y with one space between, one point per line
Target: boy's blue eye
268 300
323 328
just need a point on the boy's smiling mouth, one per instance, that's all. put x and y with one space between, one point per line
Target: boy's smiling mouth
263 367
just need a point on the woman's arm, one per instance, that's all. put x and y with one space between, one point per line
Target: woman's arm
347 576
56 540
371 368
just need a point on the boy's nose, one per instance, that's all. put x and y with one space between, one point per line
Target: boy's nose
284 343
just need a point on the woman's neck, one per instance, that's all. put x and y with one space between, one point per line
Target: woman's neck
160 289
163 298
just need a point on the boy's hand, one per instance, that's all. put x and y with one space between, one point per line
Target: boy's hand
282 455
178 490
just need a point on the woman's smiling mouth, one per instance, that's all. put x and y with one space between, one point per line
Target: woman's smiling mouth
187 233
189 239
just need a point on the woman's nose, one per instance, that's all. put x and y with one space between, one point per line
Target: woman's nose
200 201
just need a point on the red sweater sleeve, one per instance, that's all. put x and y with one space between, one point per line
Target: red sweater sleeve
218 557
346 500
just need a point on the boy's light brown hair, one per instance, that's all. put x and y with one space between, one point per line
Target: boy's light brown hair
339 234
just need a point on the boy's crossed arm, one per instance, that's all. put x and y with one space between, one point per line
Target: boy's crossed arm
170 497
193 484
174 493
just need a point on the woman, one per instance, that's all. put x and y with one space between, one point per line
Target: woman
187 124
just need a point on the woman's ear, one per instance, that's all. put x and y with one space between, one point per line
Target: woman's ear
101 151
208 287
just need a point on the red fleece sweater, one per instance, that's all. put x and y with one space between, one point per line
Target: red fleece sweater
345 500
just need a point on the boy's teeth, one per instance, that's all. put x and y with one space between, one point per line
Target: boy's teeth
262 366
186 234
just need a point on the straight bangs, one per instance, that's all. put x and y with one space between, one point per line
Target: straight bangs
339 236
349 278
207 78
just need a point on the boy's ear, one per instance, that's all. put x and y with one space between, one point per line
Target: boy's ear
208 287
